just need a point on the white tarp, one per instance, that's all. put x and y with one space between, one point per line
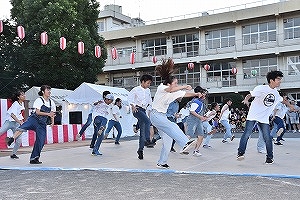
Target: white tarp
86 94
57 95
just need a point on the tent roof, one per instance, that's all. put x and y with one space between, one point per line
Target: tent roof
90 93
57 95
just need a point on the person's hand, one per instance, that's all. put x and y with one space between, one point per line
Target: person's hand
245 102
188 87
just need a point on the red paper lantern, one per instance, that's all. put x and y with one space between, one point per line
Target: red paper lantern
97 51
206 67
21 32
1 26
191 65
132 58
62 43
114 53
80 47
44 38
234 70
154 59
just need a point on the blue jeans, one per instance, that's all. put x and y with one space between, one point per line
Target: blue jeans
144 123
261 146
278 123
168 131
227 127
117 125
264 129
12 125
87 123
99 122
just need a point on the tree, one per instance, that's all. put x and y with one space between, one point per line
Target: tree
48 64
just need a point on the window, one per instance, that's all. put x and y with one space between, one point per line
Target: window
259 33
291 28
259 67
100 26
220 38
186 44
293 64
154 47
221 72
125 51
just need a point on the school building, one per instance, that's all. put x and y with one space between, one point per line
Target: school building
226 50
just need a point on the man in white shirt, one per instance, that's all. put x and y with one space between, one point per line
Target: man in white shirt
139 99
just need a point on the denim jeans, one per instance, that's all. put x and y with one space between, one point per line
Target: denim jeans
168 131
117 125
87 123
99 122
144 123
261 146
227 127
264 129
208 128
12 125
279 124
194 126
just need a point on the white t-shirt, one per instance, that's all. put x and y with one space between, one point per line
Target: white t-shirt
210 114
115 110
140 96
281 110
101 109
226 113
16 109
162 99
38 104
263 104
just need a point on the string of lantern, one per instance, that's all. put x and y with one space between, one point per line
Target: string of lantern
62 41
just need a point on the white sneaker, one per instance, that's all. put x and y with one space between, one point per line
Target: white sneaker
197 153
77 137
188 146
279 131
294 131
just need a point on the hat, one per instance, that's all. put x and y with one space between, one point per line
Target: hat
109 96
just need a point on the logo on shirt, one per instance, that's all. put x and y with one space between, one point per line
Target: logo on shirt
269 100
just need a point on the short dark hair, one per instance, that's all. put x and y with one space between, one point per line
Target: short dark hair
199 89
146 77
104 93
227 99
213 105
272 75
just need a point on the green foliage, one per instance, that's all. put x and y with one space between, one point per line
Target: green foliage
48 64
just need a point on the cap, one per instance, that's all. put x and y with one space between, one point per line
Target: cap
109 96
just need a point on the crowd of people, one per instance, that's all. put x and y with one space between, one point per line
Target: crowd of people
191 127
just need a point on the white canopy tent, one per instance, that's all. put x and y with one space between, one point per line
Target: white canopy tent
57 95
80 101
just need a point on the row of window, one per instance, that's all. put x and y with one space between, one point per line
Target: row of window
221 72
222 38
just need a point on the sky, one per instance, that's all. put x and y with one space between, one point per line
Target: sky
149 10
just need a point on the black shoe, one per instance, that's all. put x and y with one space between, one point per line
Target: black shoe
282 139
164 166
150 144
232 137
269 161
116 142
187 147
240 156
9 140
14 156
91 146
35 161
172 150
278 143
140 155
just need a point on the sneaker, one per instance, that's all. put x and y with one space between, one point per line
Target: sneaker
224 141
91 146
116 142
9 140
164 166
140 155
262 151
279 131
188 146
206 146
35 161
294 131
197 153
269 161
240 157
14 156
173 150
78 137
149 144
278 143
299 131
96 153
232 137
